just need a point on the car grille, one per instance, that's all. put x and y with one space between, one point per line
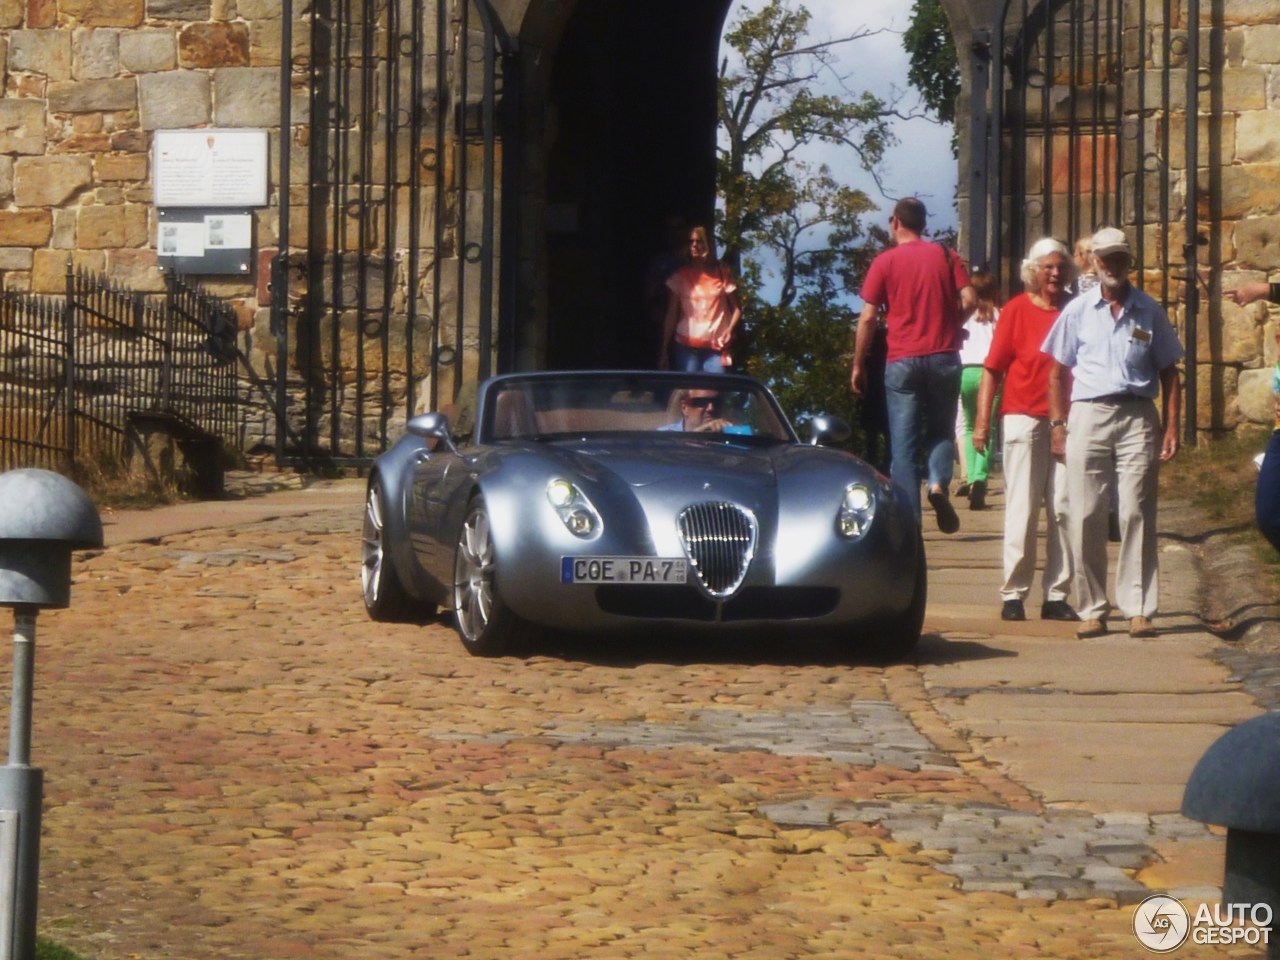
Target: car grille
720 540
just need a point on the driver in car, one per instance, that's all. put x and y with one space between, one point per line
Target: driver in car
700 413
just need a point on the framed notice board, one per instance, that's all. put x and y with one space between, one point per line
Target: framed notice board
206 184
210 168
205 240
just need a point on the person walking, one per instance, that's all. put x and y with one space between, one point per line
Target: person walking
1266 496
979 331
1032 477
1114 351
1086 278
703 311
924 291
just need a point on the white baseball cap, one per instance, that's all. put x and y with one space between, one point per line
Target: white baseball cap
1110 240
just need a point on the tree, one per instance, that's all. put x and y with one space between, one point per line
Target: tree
780 209
775 200
934 71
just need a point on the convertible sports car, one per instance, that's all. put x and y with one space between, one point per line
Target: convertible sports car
604 501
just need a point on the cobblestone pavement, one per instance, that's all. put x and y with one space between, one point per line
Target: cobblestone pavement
239 763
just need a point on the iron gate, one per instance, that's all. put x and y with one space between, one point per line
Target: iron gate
1094 118
384 297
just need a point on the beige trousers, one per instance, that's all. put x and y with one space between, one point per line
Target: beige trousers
1033 478
1114 444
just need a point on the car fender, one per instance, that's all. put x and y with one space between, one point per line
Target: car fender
528 534
393 469
811 484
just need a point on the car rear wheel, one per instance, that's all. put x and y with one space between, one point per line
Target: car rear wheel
488 627
384 596
894 638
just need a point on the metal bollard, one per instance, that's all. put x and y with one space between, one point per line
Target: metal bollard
43 518
1236 784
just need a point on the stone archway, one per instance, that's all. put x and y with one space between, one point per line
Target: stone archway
620 121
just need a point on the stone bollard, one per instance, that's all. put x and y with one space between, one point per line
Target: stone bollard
1236 784
43 518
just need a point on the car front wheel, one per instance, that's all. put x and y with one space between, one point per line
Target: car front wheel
488 627
384 596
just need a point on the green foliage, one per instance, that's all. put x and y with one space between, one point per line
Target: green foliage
934 69
772 109
782 95
46 949
804 352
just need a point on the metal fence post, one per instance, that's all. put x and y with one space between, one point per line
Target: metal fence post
69 371
165 399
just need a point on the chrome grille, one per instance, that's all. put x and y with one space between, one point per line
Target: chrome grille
719 540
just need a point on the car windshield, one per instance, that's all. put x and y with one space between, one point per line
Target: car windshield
704 406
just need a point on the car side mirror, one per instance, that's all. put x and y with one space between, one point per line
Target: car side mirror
432 426
825 430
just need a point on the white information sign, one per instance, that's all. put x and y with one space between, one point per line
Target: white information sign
210 168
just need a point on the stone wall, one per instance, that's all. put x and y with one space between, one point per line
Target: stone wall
86 83
1240 350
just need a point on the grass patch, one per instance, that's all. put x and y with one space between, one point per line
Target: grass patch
1219 479
46 949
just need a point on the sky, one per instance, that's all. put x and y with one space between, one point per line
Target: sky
921 164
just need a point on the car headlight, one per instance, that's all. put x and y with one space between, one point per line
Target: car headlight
857 509
576 512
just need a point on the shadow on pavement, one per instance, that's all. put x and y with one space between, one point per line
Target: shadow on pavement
1204 536
757 650
936 650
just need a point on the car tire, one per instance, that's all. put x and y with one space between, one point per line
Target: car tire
384 595
487 626
892 639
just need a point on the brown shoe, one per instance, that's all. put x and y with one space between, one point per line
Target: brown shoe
1141 627
1091 628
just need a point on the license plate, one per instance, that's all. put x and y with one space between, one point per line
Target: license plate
623 570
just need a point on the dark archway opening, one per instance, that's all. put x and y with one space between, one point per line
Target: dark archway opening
631 127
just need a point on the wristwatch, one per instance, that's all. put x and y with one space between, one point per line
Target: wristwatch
1057 423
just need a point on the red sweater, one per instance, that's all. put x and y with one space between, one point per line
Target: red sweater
1015 354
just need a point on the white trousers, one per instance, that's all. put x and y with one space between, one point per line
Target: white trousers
1033 478
1114 444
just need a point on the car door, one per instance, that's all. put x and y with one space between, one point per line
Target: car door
439 479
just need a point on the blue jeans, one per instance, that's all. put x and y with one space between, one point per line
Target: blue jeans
921 394
695 359
1267 495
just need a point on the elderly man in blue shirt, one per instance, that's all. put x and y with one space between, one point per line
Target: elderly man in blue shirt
1115 351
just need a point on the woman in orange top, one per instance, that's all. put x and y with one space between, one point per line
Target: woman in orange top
702 313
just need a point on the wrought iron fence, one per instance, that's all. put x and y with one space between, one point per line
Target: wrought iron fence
398 286
75 369
1089 113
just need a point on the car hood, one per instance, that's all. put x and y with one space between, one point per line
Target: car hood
676 461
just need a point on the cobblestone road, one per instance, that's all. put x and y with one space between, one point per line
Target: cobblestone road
239 764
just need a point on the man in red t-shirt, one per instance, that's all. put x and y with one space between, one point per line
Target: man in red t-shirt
924 290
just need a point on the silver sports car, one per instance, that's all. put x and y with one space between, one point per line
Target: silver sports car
604 501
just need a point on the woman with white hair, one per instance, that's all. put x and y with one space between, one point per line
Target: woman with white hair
1032 476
